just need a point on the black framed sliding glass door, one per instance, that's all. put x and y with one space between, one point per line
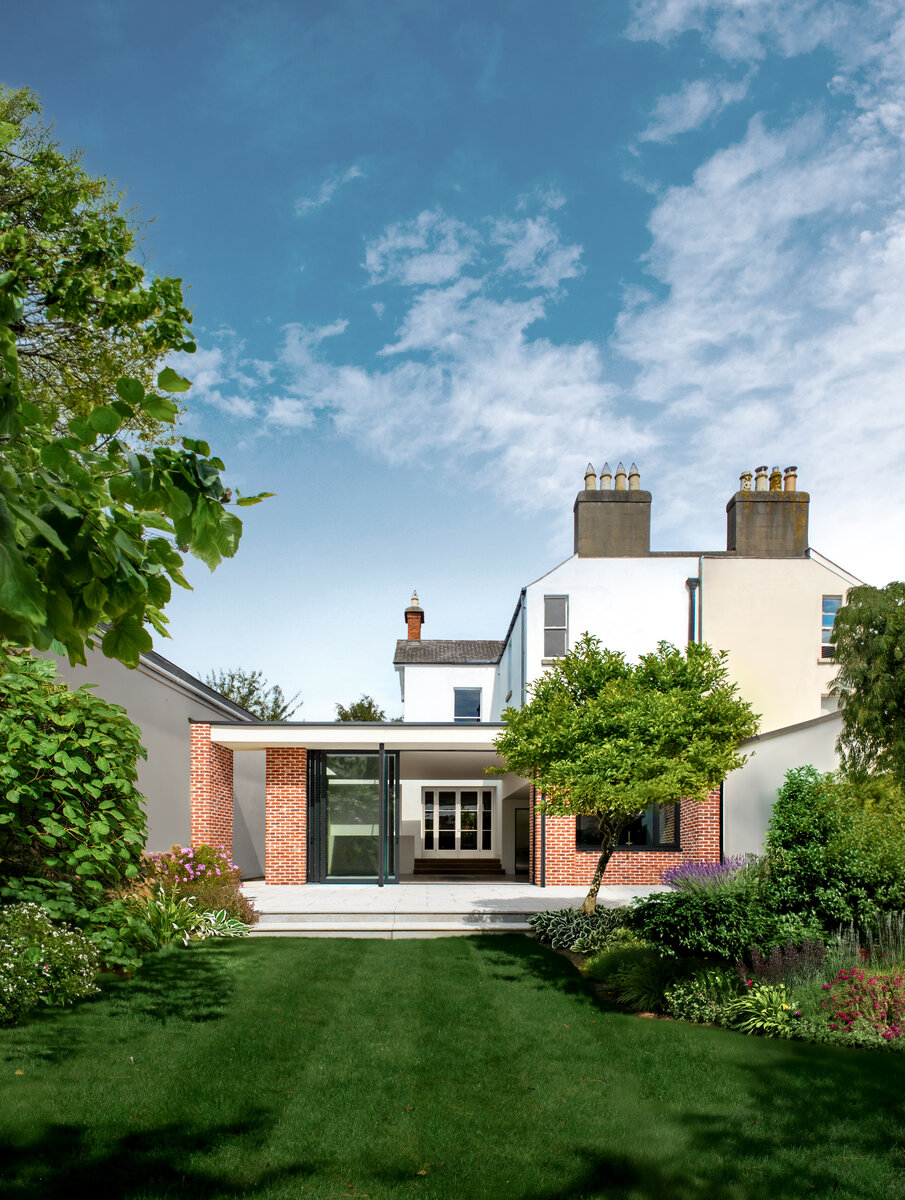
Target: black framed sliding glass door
352 817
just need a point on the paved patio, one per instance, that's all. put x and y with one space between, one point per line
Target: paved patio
413 909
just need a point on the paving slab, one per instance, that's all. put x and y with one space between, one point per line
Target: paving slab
368 899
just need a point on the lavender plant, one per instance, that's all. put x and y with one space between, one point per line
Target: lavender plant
697 876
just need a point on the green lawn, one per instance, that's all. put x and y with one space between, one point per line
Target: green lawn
463 1067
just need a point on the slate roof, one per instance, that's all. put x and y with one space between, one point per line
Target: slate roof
436 651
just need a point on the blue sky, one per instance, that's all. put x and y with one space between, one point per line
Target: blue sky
440 255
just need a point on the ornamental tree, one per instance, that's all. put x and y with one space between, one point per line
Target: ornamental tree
92 530
869 634
604 738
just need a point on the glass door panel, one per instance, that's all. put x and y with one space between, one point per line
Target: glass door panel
458 822
446 821
348 805
353 815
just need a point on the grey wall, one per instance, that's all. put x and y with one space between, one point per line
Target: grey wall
748 793
162 709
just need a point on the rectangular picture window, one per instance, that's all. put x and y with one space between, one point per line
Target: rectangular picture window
655 829
831 605
467 706
556 626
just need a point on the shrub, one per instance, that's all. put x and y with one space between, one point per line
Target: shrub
836 848
764 1009
111 925
70 809
878 1000
783 964
208 876
41 962
702 995
711 921
634 972
564 928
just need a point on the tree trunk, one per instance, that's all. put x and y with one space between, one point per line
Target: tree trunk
589 903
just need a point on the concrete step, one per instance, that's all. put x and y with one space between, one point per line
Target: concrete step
453 917
388 925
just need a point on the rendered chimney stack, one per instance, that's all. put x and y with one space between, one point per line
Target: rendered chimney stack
771 521
414 619
613 522
590 478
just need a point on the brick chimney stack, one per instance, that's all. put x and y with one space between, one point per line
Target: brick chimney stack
414 619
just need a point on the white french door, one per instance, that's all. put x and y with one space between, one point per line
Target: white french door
457 822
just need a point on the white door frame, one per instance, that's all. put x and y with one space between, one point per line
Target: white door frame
457 789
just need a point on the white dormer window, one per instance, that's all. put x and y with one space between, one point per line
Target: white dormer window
556 626
467 706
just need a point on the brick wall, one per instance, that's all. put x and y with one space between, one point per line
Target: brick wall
286 810
211 790
699 839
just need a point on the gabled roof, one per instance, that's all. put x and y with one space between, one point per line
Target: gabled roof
440 652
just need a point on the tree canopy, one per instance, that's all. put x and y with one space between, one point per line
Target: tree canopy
88 315
92 530
869 635
250 690
365 708
605 738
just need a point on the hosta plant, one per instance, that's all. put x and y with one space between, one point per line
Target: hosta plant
218 924
571 929
763 1009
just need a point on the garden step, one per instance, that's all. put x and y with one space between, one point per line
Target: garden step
398 925
477 917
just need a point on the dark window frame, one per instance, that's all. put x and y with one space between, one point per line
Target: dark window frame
457 720
655 812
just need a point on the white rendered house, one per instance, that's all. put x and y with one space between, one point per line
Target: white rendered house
384 801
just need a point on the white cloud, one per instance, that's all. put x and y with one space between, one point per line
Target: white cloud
467 376
771 329
777 331
747 31
534 251
222 376
326 191
692 105
430 249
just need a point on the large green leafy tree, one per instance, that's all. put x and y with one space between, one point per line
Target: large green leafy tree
92 529
251 691
88 315
869 633
604 738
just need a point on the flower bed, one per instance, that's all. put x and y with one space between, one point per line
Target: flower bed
878 1000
